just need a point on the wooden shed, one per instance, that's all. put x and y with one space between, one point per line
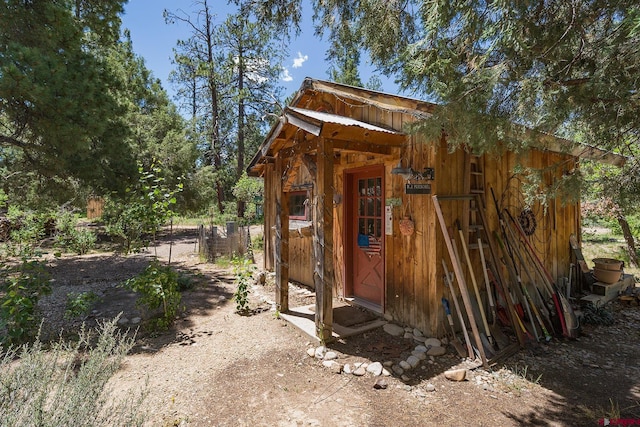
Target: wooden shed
340 159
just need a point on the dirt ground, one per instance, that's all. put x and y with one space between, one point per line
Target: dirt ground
218 368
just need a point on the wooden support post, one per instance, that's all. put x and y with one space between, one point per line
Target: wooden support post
282 240
323 241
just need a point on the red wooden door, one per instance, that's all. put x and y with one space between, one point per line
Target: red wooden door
365 224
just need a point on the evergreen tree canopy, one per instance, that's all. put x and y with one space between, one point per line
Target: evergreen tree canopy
557 67
59 111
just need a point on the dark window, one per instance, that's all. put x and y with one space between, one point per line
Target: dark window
298 205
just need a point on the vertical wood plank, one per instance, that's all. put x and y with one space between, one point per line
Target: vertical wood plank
282 240
323 232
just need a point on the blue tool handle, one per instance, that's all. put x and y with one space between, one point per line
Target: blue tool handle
445 304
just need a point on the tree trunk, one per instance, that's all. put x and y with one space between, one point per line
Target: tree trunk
628 237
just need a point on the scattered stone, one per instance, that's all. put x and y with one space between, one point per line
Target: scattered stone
320 352
388 364
413 361
421 348
360 371
311 352
417 332
123 321
385 372
136 320
432 342
330 355
334 366
420 394
397 370
430 387
347 369
436 351
375 368
456 374
419 354
408 335
393 329
405 378
380 384
418 338
404 365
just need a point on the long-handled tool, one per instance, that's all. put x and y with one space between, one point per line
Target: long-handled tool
564 309
464 292
501 339
516 251
447 278
483 315
455 342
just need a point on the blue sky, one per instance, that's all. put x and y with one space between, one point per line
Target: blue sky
154 40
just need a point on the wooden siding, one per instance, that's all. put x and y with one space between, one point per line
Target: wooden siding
414 276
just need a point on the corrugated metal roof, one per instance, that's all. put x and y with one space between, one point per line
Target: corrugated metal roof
341 120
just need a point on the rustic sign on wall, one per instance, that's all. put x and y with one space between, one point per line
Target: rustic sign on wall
417 188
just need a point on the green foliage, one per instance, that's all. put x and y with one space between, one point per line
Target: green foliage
157 287
598 315
243 272
69 237
145 208
257 242
28 229
66 384
79 304
60 110
21 287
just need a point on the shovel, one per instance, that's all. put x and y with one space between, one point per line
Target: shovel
454 339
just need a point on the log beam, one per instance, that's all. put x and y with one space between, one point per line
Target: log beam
323 241
282 239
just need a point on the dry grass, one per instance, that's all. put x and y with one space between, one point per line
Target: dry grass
601 243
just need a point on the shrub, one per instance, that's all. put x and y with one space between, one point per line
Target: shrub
69 237
22 287
66 385
145 208
157 286
243 271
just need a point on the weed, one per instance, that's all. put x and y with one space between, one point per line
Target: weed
69 237
524 373
243 271
597 315
23 286
66 384
157 286
78 304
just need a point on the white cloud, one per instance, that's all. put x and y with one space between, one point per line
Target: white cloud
301 59
286 76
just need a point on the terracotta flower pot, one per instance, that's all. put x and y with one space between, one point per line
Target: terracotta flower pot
407 227
607 276
608 264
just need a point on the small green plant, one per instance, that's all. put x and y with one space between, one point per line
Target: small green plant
22 287
27 230
66 384
157 286
145 208
524 373
257 242
79 304
69 237
597 315
243 271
